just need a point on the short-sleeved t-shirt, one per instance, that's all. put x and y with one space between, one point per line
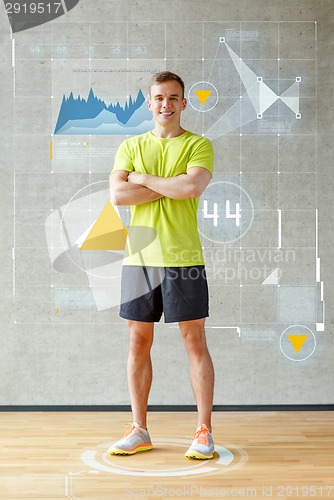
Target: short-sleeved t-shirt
175 221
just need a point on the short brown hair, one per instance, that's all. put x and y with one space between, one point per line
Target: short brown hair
166 76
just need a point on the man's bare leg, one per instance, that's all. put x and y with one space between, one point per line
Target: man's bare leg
201 368
139 368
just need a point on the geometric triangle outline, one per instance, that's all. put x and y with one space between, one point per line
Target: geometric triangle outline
247 76
273 278
267 97
239 114
292 91
292 103
291 97
254 95
261 95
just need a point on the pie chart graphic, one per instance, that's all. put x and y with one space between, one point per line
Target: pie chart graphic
89 237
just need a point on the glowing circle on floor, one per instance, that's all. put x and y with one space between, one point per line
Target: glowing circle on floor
155 463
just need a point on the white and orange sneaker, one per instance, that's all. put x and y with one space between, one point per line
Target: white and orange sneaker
136 439
202 446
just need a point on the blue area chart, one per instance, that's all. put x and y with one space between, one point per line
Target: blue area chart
79 116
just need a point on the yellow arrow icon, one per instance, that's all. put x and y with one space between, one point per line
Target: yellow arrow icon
297 341
108 232
203 95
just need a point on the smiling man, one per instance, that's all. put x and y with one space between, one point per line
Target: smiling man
161 175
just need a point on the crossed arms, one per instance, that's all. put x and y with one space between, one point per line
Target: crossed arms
134 188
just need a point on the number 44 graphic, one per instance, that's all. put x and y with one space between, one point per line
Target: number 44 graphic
215 215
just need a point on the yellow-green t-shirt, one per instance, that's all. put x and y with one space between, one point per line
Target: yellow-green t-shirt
175 221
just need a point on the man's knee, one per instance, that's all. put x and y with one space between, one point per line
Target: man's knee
141 336
193 334
194 327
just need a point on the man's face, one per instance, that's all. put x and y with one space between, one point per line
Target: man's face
166 102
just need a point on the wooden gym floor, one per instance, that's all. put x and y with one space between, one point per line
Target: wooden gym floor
283 455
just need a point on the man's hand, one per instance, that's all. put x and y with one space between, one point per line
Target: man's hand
124 192
136 178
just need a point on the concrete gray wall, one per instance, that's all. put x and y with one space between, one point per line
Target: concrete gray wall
57 347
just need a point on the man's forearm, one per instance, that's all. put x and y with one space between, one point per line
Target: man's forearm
178 188
132 194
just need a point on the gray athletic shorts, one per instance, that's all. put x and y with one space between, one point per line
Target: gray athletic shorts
181 293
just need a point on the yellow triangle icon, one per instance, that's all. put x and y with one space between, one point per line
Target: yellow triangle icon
203 95
108 232
297 341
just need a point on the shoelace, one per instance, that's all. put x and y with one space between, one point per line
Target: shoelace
202 436
133 430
